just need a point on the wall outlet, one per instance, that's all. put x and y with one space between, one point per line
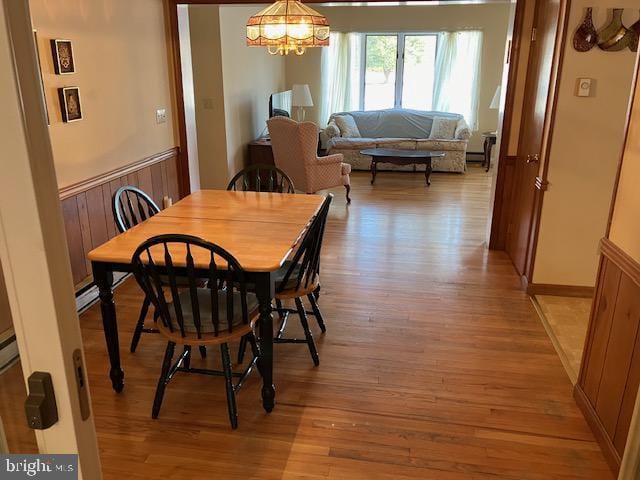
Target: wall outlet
161 115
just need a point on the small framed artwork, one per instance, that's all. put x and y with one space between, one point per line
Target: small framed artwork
63 61
70 105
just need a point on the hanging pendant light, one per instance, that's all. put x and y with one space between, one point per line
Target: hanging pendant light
287 26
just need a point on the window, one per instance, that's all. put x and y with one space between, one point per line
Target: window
399 71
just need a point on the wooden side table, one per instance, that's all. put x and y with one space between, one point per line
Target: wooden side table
490 139
260 152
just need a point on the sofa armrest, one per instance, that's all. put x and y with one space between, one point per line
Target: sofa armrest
462 130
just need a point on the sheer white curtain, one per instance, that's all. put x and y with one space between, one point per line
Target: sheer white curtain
341 67
457 76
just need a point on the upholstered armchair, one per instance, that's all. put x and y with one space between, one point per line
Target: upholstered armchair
295 147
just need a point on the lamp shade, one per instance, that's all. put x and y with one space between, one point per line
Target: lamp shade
301 96
495 103
287 26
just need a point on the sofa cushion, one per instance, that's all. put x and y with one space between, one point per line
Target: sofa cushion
442 145
347 126
396 123
399 143
332 130
443 128
352 143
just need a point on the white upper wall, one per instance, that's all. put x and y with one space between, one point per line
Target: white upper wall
586 147
232 84
124 75
249 75
491 19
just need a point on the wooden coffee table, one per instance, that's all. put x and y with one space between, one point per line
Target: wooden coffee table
401 157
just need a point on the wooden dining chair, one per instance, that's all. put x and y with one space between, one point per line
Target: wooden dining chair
193 315
132 206
261 178
299 277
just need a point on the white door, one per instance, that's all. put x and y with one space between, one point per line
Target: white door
33 252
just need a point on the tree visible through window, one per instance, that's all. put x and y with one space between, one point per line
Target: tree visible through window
399 71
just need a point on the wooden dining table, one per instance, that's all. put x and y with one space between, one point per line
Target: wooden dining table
258 229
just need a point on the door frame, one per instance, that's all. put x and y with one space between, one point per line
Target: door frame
504 183
171 17
33 250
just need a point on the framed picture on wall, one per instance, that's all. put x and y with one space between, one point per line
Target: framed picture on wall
70 105
63 61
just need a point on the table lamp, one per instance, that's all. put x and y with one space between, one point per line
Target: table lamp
301 98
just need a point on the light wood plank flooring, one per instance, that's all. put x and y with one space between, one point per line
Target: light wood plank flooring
434 364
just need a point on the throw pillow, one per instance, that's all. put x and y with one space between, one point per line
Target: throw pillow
332 130
347 126
443 128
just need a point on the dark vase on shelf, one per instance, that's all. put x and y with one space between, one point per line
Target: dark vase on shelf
635 36
615 36
586 36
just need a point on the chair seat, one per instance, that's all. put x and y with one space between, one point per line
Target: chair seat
208 336
289 289
346 168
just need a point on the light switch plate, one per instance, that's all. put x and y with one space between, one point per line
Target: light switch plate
207 103
161 115
584 87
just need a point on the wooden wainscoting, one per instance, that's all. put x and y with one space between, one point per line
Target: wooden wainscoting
86 206
610 373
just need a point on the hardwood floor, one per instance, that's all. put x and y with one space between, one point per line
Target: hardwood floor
434 364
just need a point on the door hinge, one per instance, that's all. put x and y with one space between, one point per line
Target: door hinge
534 33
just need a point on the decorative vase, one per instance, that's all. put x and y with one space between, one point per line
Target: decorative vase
615 36
586 36
635 36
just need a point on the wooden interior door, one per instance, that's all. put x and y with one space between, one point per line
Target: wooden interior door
535 110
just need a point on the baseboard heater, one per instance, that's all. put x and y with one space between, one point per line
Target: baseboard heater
8 350
87 296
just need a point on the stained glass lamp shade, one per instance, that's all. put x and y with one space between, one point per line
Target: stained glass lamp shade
287 26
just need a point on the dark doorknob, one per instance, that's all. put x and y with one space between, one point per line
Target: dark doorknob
535 158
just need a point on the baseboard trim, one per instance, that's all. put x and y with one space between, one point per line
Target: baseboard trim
84 185
608 449
560 290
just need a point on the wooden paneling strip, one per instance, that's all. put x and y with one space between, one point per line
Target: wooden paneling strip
74 239
610 376
87 209
600 329
615 370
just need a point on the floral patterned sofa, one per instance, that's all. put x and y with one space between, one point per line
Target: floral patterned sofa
400 129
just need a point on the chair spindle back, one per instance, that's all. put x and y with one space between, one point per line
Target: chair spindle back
305 264
132 206
163 262
261 178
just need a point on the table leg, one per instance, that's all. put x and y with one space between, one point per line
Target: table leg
427 173
374 170
487 153
265 361
103 279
